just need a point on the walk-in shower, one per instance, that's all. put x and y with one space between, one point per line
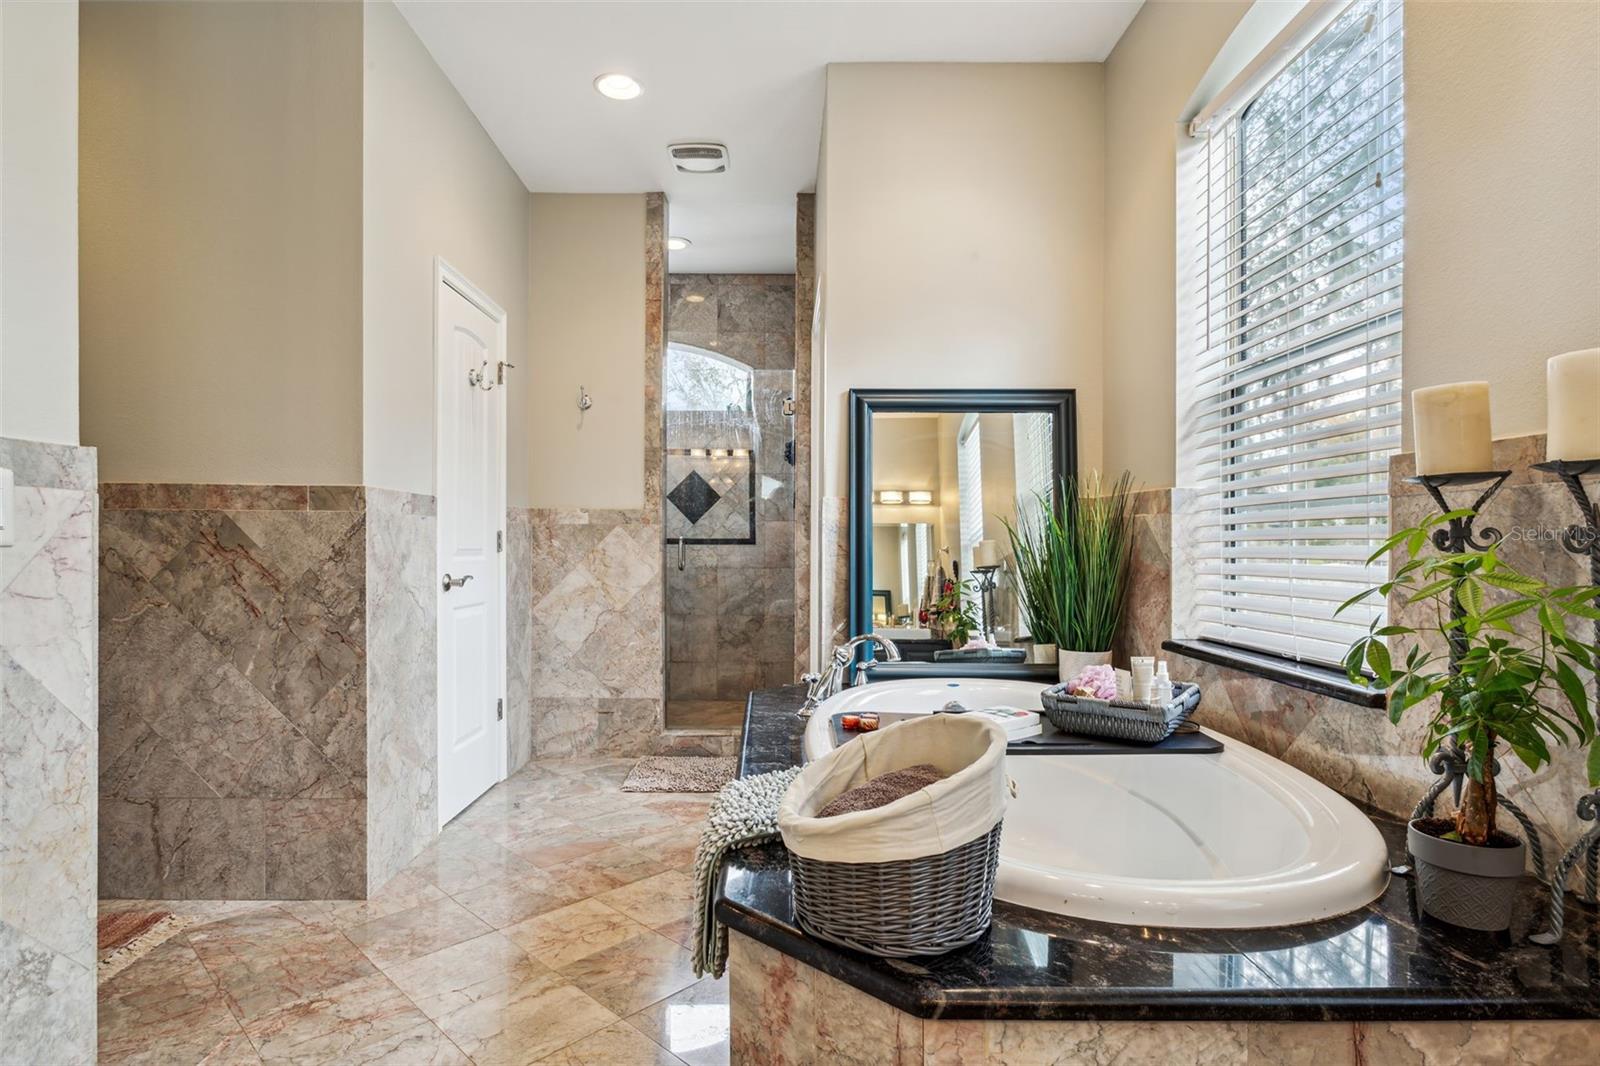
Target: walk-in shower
728 493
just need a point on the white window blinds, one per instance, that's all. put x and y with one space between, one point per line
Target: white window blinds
1034 463
1290 363
969 482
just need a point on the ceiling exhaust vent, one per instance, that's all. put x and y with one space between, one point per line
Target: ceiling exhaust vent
699 157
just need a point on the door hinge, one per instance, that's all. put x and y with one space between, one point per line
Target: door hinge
499 710
499 540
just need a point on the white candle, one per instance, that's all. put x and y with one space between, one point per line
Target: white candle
1450 425
1573 422
985 553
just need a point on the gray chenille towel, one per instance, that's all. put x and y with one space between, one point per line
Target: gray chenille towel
745 812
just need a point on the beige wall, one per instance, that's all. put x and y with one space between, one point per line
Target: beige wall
1149 77
39 222
1502 197
1502 216
586 282
220 193
960 241
434 185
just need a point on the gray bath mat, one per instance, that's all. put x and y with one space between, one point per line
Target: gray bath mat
680 773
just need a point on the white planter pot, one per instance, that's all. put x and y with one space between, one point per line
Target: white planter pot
1070 662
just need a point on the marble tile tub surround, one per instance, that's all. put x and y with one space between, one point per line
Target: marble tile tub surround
527 933
49 733
731 609
402 711
785 1013
233 684
1354 748
1378 964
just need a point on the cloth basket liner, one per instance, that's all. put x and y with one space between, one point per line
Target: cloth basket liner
961 808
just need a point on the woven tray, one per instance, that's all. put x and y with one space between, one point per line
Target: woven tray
1141 723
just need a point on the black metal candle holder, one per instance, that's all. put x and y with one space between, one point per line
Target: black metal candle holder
986 585
1579 539
1458 536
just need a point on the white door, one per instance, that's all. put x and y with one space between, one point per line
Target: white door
471 459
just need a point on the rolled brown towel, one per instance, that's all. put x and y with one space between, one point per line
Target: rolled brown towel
882 790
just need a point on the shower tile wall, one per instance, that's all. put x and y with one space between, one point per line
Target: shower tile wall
730 610
233 761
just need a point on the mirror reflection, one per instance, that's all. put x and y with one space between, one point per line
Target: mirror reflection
944 486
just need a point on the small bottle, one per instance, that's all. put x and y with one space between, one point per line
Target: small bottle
1161 688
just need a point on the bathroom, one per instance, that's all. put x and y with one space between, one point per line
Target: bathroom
420 420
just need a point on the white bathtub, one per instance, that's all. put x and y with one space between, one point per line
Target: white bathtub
1226 841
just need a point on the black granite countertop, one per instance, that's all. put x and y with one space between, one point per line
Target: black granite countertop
1381 962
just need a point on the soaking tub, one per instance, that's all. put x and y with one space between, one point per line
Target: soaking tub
1230 840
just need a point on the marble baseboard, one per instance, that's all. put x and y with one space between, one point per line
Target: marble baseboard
49 738
233 691
785 1013
402 750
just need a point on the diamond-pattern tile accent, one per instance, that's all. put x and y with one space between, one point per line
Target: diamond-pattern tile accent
694 496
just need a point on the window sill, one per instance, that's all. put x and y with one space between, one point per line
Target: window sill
1321 680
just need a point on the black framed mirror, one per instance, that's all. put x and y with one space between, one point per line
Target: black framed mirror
934 473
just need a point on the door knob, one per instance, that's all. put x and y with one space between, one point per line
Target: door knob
455 582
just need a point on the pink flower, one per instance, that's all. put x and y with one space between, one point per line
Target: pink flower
1100 682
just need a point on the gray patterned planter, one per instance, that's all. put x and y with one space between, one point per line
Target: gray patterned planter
1463 884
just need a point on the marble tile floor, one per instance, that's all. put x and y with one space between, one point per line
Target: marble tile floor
548 924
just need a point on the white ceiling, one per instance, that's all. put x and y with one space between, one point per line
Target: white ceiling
747 74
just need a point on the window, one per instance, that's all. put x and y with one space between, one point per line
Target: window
1034 458
699 380
969 484
1289 377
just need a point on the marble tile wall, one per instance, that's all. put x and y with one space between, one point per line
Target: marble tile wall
1354 748
597 632
401 551
731 609
805 302
49 733
519 638
833 563
784 1013
232 688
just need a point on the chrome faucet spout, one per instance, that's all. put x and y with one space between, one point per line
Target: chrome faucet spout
828 683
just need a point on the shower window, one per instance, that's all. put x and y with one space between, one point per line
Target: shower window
701 380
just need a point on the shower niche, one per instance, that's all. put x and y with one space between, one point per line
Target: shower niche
727 493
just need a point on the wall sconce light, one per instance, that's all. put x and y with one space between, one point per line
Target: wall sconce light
891 497
920 497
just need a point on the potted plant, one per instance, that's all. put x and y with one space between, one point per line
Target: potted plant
1072 568
1511 685
954 612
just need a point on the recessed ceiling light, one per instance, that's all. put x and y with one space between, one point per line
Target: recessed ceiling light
617 86
678 244
695 298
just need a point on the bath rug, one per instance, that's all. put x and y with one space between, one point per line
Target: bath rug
125 937
680 773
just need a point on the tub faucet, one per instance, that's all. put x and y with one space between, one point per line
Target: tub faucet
830 681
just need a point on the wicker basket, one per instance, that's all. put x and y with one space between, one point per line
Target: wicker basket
1141 723
871 880
921 906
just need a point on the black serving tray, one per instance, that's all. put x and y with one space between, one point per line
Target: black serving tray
1188 740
